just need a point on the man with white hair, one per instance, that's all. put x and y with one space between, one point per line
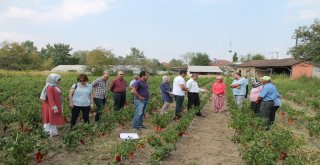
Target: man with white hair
193 93
100 86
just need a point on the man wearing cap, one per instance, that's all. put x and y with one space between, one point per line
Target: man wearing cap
267 96
238 89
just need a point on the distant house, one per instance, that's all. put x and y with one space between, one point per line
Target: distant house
178 69
69 68
289 66
135 69
223 65
204 70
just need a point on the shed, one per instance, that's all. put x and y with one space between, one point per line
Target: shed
204 70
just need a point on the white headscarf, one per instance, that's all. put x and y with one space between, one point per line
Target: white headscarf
52 80
165 79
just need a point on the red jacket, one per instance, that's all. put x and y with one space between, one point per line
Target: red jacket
218 88
53 99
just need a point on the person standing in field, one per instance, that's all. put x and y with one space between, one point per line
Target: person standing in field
140 89
193 93
267 96
80 99
135 78
218 90
246 80
178 91
166 92
254 93
100 86
118 87
238 86
52 109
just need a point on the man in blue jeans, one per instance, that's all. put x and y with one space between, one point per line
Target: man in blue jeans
140 90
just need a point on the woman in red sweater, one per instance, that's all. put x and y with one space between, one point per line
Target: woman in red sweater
52 105
218 90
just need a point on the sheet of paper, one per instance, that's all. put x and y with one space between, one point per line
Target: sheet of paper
126 136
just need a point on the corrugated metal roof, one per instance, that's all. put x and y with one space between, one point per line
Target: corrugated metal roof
210 69
66 68
271 63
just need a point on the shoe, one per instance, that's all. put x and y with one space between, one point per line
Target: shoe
135 129
142 126
199 114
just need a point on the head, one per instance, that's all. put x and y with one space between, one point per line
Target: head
144 75
165 79
105 75
219 79
183 73
53 79
237 75
256 84
265 80
136 77
195 76
120 74
82 78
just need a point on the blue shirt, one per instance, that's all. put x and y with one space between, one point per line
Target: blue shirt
277 101
81 95
142 88
165 89
269 92
239 91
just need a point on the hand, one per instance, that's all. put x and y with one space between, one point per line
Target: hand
91 107
71 106
55 111
141 98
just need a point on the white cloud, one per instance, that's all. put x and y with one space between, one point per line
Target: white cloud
67 10
304 9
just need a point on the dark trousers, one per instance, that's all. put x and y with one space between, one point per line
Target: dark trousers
193 100
266 111
100 103
179 104
273 114
255 107
75 114
247 90
119 100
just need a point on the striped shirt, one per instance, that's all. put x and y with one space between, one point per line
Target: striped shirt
100 88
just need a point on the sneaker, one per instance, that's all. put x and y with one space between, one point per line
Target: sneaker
135 130
142 126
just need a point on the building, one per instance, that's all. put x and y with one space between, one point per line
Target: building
69 68
289 66
205 70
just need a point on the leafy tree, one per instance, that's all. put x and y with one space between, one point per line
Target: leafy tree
201 59
60 54
258 57
176 63
235 57
307 42
99 60
81 55
135 57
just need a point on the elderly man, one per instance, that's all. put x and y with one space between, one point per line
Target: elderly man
268 95
118 87
238 89
193 94
100 86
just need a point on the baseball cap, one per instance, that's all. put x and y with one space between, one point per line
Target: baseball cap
267 78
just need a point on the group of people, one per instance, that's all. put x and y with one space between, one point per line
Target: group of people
83 95
264 97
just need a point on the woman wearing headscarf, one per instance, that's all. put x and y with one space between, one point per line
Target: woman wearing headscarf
218 90
51 97
166 94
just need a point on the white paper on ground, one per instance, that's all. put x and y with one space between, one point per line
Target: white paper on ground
125 136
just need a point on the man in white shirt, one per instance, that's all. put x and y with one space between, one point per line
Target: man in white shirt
178 92
193 94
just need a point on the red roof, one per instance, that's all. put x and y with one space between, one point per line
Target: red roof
220 63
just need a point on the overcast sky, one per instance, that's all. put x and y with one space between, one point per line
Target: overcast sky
163 29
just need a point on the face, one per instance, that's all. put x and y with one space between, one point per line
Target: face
195 77
82 80
219 79
145 77
121 75
264 82
105 77
136 77
58 82
184 75
235 76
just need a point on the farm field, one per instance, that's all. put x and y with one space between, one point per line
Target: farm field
294 138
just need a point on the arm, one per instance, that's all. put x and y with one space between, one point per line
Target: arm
111 86
53 105
71 92
235 85
183 87
91 100
95 83
135 92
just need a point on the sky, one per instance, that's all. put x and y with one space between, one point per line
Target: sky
163 29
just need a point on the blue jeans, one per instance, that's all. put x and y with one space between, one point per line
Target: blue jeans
179 104
140 108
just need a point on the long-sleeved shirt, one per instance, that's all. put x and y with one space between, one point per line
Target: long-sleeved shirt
254 93
193 86
118 86
165 89
100 88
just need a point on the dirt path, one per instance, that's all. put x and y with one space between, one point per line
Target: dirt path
209 142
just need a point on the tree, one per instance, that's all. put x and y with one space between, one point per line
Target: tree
176 63
258 57
201 59
245 58
81 55
307 42
235 57
188 57
60 54
99 60
135 57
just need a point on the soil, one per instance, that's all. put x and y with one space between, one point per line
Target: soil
208 142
